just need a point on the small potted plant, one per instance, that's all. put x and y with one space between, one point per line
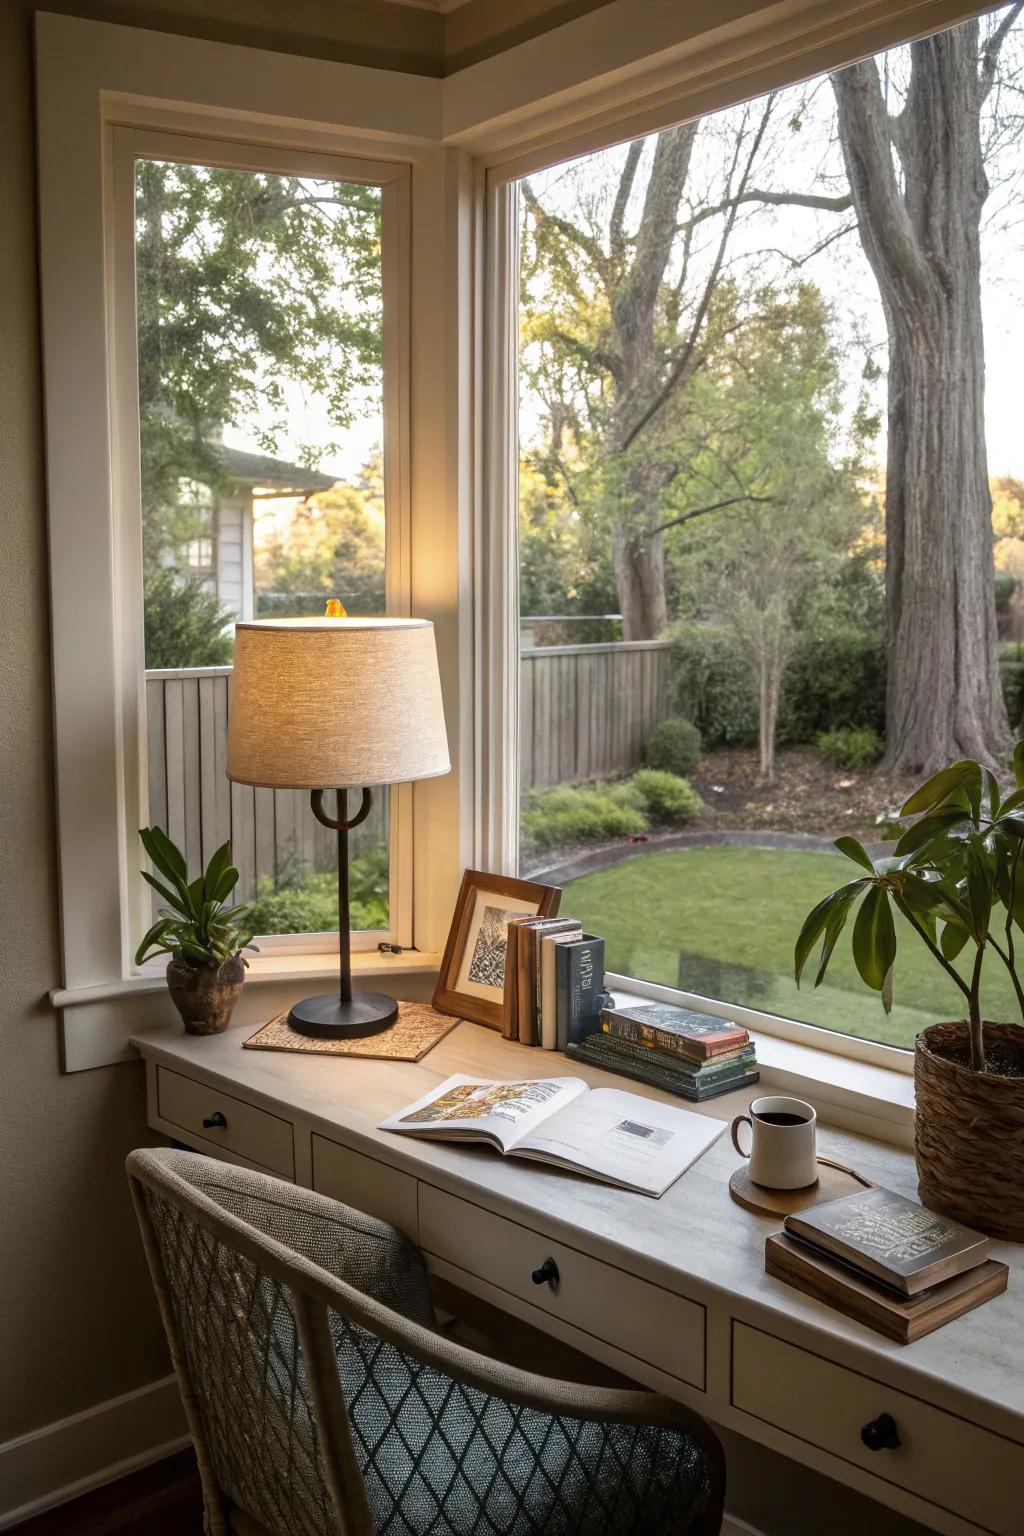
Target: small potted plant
955 876
199 931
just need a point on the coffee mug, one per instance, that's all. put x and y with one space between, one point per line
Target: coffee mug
782 1154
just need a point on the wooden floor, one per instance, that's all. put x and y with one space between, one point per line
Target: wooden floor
161 1500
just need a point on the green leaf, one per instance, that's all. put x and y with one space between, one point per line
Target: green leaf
219 861
980 883
874 938
837 917
855 851
151 942
164 854
172 898
993 793
952 939
964 775
1013 801
815 923
939 823
225 885
1018 764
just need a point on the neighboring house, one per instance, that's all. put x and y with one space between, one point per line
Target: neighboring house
223 557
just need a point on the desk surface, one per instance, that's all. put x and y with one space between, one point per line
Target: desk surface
694 1240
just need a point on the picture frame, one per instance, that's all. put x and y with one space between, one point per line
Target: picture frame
471 980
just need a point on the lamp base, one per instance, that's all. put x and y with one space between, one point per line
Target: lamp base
327 1018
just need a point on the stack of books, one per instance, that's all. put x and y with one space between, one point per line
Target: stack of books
694 1055
888 1262
554 982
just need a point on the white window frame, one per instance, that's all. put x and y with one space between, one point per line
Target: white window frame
105 93
715 78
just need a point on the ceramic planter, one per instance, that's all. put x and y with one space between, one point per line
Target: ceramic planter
205 995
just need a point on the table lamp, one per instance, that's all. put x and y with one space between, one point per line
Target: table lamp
336 703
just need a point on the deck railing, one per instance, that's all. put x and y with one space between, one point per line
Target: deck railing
585 713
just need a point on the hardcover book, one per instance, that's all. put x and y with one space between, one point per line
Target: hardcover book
657 1070
579 989
893 1241
696 1036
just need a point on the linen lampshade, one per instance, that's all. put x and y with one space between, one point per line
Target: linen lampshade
335 703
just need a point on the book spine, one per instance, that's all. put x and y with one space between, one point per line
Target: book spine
586 988
525 976
509 997
561 997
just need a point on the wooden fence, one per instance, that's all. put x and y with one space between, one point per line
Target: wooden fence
585 713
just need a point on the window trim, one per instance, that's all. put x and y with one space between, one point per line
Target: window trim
716 76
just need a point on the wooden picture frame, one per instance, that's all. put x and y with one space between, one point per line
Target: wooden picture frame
470 982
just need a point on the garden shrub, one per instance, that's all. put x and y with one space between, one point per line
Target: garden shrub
711 684
669 799
579 814
674 746
309 903
1011 671
851 749
185 625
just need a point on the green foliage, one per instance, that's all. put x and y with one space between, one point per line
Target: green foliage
309 903
579 814
674 746
851 748
331 546
1011 673
196 924
669 799
564 560
955 875
185 624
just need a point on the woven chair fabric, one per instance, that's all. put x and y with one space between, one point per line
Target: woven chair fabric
438 1454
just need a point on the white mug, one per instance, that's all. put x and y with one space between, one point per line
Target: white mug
782 1153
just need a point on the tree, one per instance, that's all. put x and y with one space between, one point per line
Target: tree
246 282
332 545
921 234
185 624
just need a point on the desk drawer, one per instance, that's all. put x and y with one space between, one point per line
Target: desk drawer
365 1183
948 1460
644 1320
253 1134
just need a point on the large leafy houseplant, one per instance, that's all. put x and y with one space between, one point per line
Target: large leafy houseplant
956 877
199 929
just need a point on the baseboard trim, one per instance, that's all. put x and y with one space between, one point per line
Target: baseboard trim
62 1460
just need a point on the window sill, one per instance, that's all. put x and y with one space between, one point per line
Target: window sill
98 1021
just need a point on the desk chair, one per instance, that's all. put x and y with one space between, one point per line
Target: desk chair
323 1401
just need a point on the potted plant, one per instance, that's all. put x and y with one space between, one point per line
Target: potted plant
199 931
955 876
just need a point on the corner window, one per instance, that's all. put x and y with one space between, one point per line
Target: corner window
770 511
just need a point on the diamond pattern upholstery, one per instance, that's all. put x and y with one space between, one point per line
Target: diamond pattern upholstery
322 1399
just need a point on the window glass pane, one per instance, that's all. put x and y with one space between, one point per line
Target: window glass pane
259 303
771 513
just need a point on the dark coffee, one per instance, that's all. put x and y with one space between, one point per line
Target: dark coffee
781 1117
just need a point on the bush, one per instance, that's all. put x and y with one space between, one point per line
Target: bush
1011 671
711 684
184 623
309 903
669 799
851 749
580 814
674 746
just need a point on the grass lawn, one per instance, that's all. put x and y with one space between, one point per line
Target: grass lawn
723 921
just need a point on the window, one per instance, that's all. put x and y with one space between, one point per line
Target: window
259 303
725 455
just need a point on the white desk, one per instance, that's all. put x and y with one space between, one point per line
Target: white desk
671 1292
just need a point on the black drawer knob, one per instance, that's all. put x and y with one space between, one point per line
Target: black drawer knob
216 1122
547 1274
881 1434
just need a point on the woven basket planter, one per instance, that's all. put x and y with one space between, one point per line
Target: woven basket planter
969 1130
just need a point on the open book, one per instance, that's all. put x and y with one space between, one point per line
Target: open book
621 1138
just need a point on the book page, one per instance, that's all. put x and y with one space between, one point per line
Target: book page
464 1107
624 1138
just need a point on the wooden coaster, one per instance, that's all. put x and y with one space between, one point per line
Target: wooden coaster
834 1181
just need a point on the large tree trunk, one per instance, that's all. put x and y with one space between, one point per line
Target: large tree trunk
922 240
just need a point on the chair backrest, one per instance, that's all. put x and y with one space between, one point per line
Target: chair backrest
323 1402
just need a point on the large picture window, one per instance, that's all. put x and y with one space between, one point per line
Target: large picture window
771 510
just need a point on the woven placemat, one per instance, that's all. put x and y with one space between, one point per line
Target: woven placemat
416 1031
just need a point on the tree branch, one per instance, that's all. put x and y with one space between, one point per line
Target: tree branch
716 506
678 369
625 187
578 237
776 200
990 52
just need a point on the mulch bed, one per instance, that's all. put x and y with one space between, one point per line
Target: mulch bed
808 795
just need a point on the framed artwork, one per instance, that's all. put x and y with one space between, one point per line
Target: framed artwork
471 982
